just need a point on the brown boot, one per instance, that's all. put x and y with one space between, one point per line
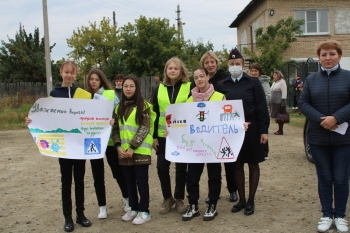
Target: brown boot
166 206
180 206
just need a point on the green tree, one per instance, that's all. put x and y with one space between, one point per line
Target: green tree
94 45
273 42
148 44
192 53
115 66
23 58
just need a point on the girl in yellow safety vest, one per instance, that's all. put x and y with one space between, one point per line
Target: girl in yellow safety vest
98 85
132 135
176 88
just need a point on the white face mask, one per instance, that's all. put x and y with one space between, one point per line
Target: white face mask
235 71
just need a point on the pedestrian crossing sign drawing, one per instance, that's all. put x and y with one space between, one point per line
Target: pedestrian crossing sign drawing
225 151
92 146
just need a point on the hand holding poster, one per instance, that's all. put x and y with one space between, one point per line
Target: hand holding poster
204 132
71 128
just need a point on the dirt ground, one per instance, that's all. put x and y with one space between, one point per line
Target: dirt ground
286 200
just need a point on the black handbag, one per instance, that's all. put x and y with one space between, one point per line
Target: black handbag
282 118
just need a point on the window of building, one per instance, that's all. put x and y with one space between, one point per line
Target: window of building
243 40
316 21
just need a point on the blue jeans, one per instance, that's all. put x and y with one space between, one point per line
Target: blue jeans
332 166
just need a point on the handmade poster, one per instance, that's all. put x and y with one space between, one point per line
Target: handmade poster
204 132
71 128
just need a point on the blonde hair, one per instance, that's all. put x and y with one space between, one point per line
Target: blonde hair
329 44
210 54
184 73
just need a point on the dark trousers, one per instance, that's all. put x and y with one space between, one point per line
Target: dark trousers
97 167
230 177
332 166
295 101
163 168
137 181
194 173
69 167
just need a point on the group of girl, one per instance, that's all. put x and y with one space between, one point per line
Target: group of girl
138 127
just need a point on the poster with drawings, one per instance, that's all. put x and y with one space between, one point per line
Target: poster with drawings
71 128
204 132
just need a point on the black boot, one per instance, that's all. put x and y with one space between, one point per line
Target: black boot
82 220
68 224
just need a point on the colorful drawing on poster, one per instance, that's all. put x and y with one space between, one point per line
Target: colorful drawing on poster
44 144
92 146
228 114
201 115
168 119
225 151
51 144
58 130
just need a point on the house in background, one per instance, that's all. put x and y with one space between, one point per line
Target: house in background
324 19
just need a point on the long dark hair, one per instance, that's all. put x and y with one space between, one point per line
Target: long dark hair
137 97
104 82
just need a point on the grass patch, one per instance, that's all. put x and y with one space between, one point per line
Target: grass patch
13 110
297 120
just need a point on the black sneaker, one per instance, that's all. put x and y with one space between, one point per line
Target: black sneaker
210 213
192 211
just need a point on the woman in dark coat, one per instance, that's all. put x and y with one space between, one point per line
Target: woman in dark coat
241 86
325 101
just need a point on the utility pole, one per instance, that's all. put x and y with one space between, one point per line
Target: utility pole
114 23
179 23
47 50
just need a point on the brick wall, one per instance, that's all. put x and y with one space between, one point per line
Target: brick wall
305 47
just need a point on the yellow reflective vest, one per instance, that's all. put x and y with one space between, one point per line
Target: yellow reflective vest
163 101
128 130
109 94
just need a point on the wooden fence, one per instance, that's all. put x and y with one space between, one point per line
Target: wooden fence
39 89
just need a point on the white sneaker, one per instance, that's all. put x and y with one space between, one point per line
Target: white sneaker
127 208
141 218
103 212
341 224
192 211
324 224
210 213
130 215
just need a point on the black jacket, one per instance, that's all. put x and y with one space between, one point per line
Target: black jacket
218 77
173 91
326 95
250 91
63 92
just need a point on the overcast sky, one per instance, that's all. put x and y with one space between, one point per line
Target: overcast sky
204 19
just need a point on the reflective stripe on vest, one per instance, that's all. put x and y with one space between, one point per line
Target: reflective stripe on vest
129 129
216 96
163 101
109 94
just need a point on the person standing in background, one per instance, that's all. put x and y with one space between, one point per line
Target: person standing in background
154 87
211 63
278 98
297 88
118 80
255 72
